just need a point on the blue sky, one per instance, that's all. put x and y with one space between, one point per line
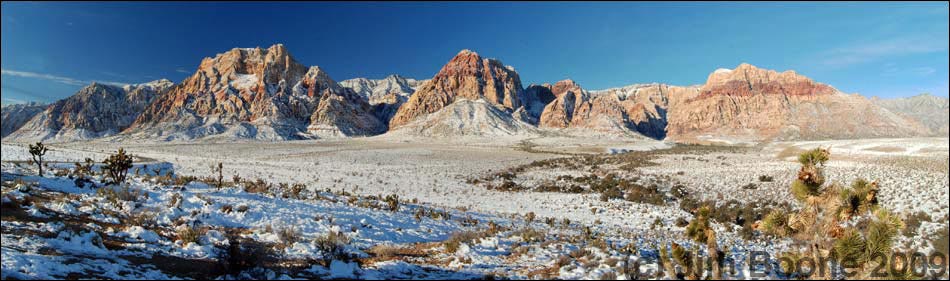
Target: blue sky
50 50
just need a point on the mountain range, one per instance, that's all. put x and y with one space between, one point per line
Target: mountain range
265 94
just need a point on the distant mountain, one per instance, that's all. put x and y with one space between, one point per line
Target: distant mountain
643 107
95 111
932 111
257 94
374 89
753 104
15 116
384 95
265 94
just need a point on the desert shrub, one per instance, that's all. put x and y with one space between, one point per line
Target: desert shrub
750 186
913 221
296 189
117 166
257 186
244 255
645 194
118 194
610 275
452 244
764 178
333 245
175 202
529 217
189 234
386 251
241 208
288 235
37 151
611 193
392 202
531 235
144 218
227 209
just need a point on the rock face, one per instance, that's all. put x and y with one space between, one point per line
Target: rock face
97 110
16 115
384 95
931 111
752 104
636 109
258 94
645 106
467 76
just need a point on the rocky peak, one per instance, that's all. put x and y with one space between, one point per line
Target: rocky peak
257 93
747 80
465 76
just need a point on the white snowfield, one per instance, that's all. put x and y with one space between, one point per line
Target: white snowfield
71 232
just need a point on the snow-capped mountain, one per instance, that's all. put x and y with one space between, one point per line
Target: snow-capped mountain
97 110
257 94
385 95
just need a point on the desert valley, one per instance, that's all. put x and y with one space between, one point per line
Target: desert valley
258 166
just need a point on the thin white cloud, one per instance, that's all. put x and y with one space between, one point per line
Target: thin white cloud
182 70
868 52
58 79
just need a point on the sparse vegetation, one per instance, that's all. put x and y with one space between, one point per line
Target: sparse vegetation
189 234
333 245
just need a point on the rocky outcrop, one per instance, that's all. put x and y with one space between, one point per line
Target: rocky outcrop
258 94
752 104
646 105
97 110
931 111
15 116
467 76
636 109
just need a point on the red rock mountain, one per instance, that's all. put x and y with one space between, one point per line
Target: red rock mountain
257 93
467 76
753 104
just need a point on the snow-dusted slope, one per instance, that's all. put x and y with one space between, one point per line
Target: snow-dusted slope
16 115
467 118
97 110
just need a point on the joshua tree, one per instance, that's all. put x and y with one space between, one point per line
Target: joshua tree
220 170
834 221
700 231
118 165
37 151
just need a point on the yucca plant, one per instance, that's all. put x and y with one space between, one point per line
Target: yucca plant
850 248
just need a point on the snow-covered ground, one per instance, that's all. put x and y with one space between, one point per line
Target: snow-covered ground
70 232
